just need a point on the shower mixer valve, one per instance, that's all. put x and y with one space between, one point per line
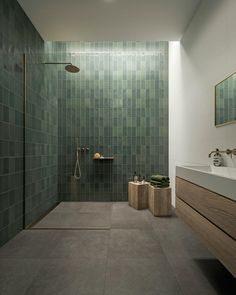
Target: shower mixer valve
83 149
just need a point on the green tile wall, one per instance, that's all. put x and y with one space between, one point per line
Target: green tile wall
18 36
225 101
117 105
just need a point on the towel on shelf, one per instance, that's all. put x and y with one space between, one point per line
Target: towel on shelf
157 177
160 184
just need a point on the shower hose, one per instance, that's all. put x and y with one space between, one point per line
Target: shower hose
77 173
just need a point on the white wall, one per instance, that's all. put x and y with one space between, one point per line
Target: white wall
205 56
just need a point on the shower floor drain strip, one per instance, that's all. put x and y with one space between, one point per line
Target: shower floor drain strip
69 228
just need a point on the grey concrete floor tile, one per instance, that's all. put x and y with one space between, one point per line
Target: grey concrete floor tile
94 220
81 243
133 243
96 207
183 247
17 274
77 215
129 222
86 207
74 220
67 207
30 244
70 277
124 216
140 277
120 205
140 254
170 223
186 253
125 207
177 238
172 226
221 280
58 220
193 280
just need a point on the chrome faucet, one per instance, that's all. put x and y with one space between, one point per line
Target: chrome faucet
233 152
227 152
216 151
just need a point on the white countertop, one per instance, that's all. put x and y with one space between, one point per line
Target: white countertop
221 180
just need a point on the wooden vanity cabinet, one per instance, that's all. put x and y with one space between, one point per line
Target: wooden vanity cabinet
212 216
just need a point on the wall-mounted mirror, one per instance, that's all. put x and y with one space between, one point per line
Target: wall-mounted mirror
225 101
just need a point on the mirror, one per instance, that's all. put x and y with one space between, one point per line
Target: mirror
225 101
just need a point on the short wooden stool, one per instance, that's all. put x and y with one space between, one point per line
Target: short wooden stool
159 201
138 195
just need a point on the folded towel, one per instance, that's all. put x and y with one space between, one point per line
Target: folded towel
157 186
160 184
158 177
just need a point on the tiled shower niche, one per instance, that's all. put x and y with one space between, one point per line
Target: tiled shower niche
116 105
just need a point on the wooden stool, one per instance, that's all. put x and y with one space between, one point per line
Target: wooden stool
159 201
138 195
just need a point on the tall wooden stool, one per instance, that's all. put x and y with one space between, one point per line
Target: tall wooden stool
159 201
138 195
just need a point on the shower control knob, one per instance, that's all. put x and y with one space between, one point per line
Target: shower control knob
82 149
87 149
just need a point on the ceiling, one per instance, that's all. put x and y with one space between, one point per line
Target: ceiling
110 20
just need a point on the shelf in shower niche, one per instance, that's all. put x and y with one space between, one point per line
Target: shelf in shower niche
103 158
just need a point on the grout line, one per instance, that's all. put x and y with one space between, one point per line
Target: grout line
107 257
159 236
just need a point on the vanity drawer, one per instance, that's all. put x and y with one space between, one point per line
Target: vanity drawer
218 209
219 243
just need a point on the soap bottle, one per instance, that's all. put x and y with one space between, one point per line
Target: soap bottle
135 177
217 159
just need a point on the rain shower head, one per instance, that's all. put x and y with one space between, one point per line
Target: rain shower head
72 68
69 66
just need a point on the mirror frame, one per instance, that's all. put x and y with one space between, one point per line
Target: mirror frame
229 122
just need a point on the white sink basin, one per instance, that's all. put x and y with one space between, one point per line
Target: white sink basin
228 172
221 180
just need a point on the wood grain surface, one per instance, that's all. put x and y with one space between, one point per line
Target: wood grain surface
218 242
219 210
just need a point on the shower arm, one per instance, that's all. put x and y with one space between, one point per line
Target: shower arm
57 63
